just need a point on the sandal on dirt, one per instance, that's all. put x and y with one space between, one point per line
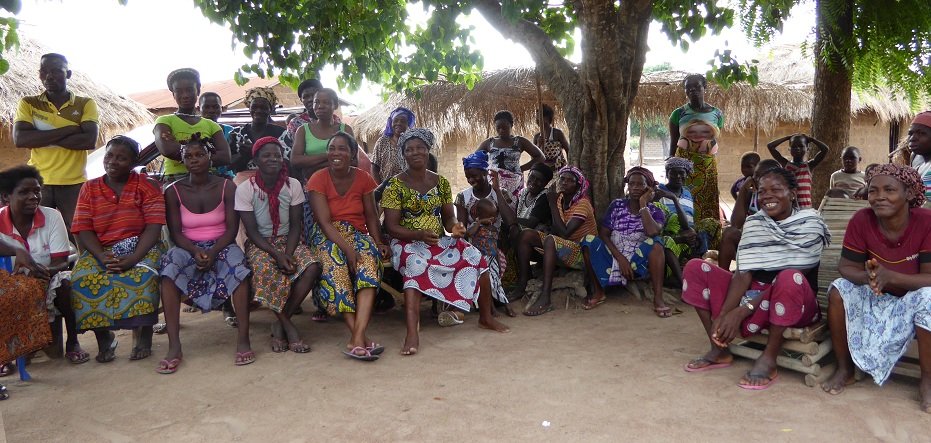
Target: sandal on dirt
367 356
109 354
77 356
4 394
279 345
744 382
540 310
160 328
140 353
168 366
299 347
320 316
231 321
448 318
709 365
244 358
662 311
592 304
375 348
6 369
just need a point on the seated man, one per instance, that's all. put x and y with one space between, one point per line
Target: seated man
846 182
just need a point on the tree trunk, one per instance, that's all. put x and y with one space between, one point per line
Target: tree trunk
830 115
597 97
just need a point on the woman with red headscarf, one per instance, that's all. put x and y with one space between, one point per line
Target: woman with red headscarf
270 205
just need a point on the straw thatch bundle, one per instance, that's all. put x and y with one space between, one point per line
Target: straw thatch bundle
117 113
784 95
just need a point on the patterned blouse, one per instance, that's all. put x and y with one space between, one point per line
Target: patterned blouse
418 211
626 227
387 156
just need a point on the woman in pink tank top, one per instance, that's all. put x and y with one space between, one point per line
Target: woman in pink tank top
205 268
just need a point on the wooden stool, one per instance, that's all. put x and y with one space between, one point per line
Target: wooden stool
803 351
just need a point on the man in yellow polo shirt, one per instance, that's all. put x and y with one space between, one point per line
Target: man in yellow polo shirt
60 128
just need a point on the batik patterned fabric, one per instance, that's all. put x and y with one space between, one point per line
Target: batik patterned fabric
338 288
787 301
507 162
271 286
629 236
207 290
448 271
418 211
879 328
703 182
102 299
24 324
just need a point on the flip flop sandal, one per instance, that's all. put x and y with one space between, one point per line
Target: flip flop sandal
160 328
244 358
711 365
77 357
168 366
448 318
4 394
364 357
588 306
231 321
539 311
749 387
299 347
375 349
662 312
6 369
320 316
279 345
110 354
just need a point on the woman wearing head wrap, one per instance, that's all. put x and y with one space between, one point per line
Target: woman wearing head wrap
484 229
628 245
261 102
174 130
919 143
693 129
504 153
387 161
573 219
683 238
883 297
119 221
348 242
773 288
270 205
205 268
419 210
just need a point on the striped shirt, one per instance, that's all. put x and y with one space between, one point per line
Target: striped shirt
803 177
793 243
924 170
583 210
685 200
114 219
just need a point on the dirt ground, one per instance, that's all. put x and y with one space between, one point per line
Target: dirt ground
611 374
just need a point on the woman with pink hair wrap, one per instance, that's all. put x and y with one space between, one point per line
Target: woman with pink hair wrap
883 298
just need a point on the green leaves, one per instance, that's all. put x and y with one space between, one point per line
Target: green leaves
9 38
727 70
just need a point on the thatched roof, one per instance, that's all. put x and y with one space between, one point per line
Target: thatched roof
117 113
784 94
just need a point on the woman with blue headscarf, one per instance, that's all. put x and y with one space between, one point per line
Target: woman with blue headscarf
483 229
387 161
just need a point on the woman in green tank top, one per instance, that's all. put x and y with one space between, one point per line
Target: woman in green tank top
310 140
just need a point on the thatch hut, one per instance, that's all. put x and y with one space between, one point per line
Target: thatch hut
780 104
117 114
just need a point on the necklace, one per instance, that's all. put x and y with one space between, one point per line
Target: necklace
181 114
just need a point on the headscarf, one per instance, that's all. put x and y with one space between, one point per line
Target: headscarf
274 203
542 168
476 160
679 163
400 110
582 192
647 175
422 133
261 92
907 176
923 118
190 73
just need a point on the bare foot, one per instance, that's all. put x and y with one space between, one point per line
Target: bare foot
924 394
493 325
761 375
509 311
410 345
842 378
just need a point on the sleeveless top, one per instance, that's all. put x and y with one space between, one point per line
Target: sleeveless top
314 145
507 158
207 226
553 152
803 177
